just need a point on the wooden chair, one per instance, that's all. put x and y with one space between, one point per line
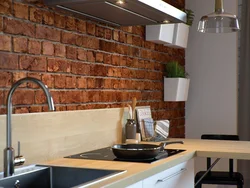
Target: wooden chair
220 177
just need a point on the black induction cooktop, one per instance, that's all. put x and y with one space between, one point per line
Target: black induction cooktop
107 155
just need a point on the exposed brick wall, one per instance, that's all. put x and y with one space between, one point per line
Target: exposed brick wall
86 65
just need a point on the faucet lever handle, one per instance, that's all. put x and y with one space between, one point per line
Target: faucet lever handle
19 159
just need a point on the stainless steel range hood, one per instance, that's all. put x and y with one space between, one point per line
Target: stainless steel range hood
131 12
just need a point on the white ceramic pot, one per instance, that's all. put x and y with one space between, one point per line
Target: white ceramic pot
176 89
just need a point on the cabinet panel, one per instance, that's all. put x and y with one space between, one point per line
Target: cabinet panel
180 176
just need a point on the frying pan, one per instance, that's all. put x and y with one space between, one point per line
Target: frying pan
140 151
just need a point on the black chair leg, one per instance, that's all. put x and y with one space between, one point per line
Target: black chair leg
198 185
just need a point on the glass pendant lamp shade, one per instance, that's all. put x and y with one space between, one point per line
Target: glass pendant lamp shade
218 21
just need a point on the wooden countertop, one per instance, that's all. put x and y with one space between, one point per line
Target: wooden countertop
139 171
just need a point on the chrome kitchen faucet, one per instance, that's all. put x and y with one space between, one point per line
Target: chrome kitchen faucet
9 160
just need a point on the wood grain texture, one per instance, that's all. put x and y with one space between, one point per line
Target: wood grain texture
47 136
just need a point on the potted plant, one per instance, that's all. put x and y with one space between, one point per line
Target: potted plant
171 34
176 82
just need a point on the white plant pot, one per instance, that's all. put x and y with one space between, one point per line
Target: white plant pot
176 89
174 35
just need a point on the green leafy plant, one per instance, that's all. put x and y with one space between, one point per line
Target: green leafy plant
190 16
175 70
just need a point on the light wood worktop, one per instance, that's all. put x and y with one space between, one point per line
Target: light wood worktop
138 171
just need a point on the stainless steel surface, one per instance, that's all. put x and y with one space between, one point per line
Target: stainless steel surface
51 176
9 151
131 12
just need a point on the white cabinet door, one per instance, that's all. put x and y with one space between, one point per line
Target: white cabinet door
136 185
180 176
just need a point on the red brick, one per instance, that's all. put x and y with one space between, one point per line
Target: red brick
5 43
40 97
81 83
115 35
81 54
81 26
1 98
20 44
71 108
5 79
72 97
122 37
107 46
122 49
123 60
3 111
127 29
59 21
19 75
107 58
138 30
1 23
90 56
108 83
93 83
70 82
48 18
22 96
35 109
8 61
129 39
93 96
21 110
60 50
90 42
56 96
34 47
48 79
68 38
58 65
47 33
99 57
36 75
61 108
114 72
60 81
115 60
91 28
98 70
100 32
18 27
36 15
137 41
5 7
70 23
80 68
21 10
32 63
108 34
71 52
48 48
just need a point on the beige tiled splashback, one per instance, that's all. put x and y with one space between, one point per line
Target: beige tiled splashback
46 136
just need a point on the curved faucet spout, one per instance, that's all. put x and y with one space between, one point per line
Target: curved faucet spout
9 151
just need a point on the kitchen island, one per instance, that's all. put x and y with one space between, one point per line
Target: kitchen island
136 172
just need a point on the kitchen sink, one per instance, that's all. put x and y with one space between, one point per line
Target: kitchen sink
56 177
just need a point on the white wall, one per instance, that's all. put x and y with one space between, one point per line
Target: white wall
211 61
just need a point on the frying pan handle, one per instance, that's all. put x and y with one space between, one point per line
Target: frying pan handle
163 144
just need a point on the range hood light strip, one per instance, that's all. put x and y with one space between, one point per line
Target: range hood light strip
111 4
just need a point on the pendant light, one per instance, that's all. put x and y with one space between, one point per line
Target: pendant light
218 21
